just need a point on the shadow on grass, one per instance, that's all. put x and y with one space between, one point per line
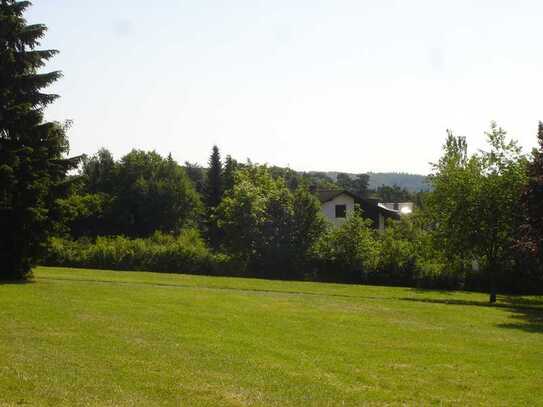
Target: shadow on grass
527 314
16 282
431 290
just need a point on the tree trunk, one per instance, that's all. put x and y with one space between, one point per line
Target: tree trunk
492 278
492 293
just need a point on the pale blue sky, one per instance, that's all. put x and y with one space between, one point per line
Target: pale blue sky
348 85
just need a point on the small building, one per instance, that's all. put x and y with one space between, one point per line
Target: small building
337 205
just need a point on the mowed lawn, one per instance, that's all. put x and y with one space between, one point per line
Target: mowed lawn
88 337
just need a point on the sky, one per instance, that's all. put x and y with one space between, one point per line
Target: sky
335 85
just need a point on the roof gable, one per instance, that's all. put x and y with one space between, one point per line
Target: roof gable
326 195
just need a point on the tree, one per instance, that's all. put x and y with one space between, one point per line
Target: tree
214 184
230 168
135 196
357 185
532 202
267 226
213 193
196 173
345 253
153 193
475 199
32 163
99 172
394 194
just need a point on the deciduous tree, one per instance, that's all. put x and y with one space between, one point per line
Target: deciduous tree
474 204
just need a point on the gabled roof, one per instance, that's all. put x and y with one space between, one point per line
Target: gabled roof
326 195
370 207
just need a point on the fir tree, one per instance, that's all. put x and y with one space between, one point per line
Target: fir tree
214 185
32 168
213 196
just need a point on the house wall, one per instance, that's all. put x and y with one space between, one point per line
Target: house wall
329 208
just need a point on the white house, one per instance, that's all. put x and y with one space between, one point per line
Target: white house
336 205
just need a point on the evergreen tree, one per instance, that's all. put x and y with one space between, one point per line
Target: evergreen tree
32 168
214 185
213 195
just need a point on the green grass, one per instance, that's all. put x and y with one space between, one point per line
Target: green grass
90 337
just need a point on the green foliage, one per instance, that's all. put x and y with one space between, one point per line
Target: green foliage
197 175
347 252
153 194
266 225
81 215
319 180
357 185
394 194
185 253
213 189
100 173
32 167
135 196
213 193
230 168
408 257
474 206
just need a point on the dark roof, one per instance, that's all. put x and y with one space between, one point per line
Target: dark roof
326 195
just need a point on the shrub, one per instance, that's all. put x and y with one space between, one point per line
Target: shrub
347 253
185 253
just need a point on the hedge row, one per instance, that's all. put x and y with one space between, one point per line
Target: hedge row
186 253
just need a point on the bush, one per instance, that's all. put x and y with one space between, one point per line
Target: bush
185 253
346 253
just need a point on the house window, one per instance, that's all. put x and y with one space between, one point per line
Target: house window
341 211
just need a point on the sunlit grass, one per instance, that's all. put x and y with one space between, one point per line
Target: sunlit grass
121 338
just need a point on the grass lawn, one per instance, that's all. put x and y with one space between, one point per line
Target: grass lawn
90 337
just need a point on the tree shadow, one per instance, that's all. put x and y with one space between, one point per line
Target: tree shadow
534 301
16 282
430 290
526 314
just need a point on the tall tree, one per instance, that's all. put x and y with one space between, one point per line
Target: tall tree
214 184
99 172
475 199
153 193
267 226
213 195
32 163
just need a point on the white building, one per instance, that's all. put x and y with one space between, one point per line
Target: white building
337 205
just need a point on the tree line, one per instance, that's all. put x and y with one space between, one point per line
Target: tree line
478 227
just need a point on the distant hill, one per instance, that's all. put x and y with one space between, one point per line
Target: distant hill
411 182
